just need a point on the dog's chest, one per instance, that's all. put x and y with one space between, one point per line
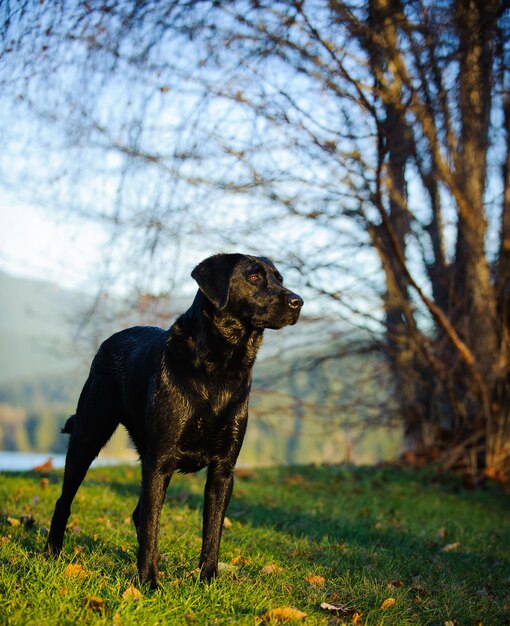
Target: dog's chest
211 429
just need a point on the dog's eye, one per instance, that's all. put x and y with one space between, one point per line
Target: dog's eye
254 278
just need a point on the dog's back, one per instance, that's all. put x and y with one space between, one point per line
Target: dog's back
118 385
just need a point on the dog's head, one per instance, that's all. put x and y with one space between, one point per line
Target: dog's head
249 288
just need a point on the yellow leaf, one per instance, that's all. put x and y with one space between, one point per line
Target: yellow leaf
356 618
239 560
95 604
451 547
284 614
387 603
133 593
15 523
227 523
75 569
315 581
271 569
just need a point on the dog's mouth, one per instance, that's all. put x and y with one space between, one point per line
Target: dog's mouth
281 321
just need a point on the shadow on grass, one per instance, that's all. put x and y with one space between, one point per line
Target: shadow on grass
304 506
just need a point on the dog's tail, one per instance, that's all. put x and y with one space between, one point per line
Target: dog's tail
68 426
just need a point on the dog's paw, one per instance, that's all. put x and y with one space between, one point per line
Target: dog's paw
208 573
148 578
52 550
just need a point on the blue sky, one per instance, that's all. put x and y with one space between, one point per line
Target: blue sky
35 243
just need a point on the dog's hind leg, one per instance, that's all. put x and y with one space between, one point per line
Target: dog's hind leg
84 445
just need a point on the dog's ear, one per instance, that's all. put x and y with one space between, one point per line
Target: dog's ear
213 277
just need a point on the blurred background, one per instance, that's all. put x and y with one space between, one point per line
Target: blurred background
362 146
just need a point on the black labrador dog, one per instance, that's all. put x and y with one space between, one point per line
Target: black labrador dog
182 394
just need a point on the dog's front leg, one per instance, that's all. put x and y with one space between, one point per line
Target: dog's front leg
218 489
154 485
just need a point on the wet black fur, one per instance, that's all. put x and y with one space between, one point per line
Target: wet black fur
182 394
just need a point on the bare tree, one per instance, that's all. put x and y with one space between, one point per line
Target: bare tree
368 143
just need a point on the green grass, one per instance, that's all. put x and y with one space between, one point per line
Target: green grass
370 533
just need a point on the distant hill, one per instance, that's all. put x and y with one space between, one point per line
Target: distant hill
37 323
306 405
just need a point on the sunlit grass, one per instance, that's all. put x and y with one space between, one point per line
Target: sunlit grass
360 536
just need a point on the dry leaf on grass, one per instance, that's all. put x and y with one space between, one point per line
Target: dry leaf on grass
343 611
271 569
451 547
95 604
44 467
336 608
227 523
132 593
387 603
296 479
284 614
14 522
74 570
394 584
315 581
239 560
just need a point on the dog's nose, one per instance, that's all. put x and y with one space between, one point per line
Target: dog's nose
294 301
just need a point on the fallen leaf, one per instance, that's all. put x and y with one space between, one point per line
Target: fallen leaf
63 591
315 581
44 467
336 608
244 472
356 618
227 523
44 482
297 479
95 604
387 603
14 522
78 549
451 547
271 569
394 584
441 532
74 570
239 560
284 614
132 593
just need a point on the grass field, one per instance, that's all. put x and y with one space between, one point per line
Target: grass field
382 545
